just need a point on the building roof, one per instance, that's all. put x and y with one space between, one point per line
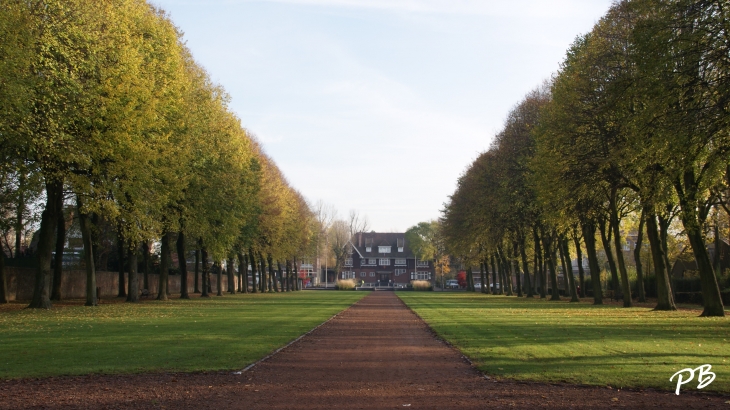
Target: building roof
376 239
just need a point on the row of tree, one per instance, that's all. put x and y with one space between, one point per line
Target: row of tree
102 104
636 122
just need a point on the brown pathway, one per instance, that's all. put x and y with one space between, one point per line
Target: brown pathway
375 355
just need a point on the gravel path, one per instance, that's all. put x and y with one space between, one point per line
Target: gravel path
375 355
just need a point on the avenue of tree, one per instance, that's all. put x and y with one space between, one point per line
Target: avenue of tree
635 123
102 105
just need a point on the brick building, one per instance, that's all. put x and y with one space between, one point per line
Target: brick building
384 259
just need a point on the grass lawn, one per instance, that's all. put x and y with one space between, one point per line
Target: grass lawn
577 342
218 333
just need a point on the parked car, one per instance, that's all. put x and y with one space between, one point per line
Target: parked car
452 284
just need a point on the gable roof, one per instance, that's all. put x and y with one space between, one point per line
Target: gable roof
377 239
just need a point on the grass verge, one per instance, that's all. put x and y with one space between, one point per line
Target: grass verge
179 335
530 339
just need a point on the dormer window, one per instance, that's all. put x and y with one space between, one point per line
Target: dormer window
384 249
400 249
368 249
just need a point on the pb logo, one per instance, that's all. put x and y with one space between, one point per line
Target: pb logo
704 377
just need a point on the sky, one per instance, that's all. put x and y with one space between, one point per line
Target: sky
379 106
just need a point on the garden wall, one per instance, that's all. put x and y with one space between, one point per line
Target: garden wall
73 283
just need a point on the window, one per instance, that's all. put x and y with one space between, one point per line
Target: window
422 263
399 272
371 261
400 262
421 275
384 262
384 249
400 249
348 262
365 262
348 275
372 274
368 249
363 274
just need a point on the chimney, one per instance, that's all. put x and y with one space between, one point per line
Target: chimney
359 239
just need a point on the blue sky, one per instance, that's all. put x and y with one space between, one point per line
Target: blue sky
377 105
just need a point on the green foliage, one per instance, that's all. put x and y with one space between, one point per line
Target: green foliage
536 340
180 335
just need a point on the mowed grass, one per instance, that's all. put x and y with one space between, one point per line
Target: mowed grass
530 339
218 333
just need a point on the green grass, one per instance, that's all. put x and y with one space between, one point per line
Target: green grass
180 335
577 343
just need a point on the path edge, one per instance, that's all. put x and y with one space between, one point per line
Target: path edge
272 354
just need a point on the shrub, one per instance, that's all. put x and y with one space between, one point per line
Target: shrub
421 285
345 284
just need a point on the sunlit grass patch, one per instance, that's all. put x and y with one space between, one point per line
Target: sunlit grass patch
215 333
530 339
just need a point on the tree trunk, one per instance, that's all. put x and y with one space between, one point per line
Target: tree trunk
264 276
663 233
507 271
4 298
19 211
231 280
606 241
290 275
164 266
282 277
541 265
183 265
569 265
204 276
615 225
132 280
716 256
637 260
495 291
665 298
218 266
526 268
589 238
243 272
579 259
252 261
122 290
196 276
84 221
146 265
550 258
564 267
296 275
272 274
60 246
516 264
482 271
49 219
708 280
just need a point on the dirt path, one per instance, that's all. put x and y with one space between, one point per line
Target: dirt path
375 355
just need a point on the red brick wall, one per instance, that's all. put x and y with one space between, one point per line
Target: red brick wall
73 283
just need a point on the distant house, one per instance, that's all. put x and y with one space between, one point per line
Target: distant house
686 265
384 259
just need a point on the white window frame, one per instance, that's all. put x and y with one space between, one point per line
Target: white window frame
372 261
368 249
372 274
423 275
400 249
384 262
363 274
399 272
348 261
422 263
400 262
384 249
